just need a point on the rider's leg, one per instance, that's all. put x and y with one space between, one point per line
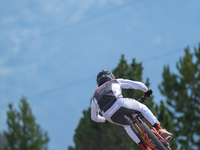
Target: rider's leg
127 106
155 123
116 114
135 138
137 106
163 132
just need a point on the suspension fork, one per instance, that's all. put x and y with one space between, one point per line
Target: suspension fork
153 129
135 125
137 122
147 122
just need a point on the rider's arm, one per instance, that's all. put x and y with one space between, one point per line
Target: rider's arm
129 84
95 112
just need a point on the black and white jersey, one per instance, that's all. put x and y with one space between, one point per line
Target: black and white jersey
108 93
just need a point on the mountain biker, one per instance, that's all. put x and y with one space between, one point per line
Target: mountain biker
108 100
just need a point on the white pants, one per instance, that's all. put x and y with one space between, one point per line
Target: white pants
130 104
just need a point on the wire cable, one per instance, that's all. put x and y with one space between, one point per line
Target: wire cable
67 26
87 79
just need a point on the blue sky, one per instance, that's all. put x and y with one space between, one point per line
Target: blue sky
51 52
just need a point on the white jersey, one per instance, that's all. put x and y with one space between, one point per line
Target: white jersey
108 93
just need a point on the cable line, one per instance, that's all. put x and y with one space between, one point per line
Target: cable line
64 86
86 79
72 24
164 54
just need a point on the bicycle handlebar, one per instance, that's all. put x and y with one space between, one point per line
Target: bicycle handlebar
142 99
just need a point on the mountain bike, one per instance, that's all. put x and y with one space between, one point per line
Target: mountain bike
146 132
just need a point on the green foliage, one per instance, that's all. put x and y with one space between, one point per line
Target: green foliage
132 72
163 115
3 141
23 133
182 91
91 135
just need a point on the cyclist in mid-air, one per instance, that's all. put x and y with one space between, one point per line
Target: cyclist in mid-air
108 100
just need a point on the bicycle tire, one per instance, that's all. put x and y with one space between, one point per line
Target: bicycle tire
157 142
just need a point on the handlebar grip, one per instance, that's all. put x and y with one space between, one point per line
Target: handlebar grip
148 93
144 97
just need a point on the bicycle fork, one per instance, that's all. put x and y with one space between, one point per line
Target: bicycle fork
137 122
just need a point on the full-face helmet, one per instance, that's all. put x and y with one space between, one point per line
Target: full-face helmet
104 76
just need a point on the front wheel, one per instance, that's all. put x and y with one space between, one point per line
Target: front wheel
156 141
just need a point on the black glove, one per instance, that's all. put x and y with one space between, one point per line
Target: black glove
148 93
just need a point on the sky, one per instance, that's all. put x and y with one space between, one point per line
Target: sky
51 52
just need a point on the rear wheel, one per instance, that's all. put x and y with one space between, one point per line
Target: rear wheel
156 141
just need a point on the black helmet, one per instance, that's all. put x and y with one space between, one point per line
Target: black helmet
104 76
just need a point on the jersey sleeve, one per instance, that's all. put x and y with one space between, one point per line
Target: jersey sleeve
95 112
129 84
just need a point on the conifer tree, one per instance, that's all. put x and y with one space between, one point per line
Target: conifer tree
165 119
91 135
3 141
182 91
23 132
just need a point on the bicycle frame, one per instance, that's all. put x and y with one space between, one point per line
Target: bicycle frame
138 120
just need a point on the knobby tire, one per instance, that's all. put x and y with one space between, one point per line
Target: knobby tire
157 142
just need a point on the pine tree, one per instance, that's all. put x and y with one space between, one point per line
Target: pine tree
165 119
91 135
182 91
3 141
23 132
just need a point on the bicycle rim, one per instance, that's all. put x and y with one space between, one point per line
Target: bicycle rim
157 142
